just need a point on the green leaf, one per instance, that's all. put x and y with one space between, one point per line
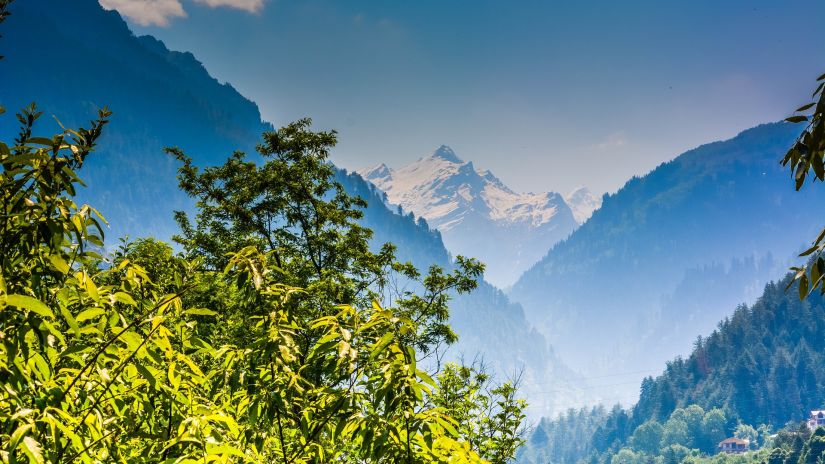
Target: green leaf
425 377
809 251
125 298
67 316
32 304
805 107
819 168
89 314
41 141
818 89
796 119
146 374
803 287
382 343
18 435
200 312
132 340
59 263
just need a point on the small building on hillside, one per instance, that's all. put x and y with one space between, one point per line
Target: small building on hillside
734 446
816 419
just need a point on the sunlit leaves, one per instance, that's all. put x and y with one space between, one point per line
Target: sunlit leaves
280 355
82 346
31 304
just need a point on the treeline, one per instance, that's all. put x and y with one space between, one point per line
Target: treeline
764 364
763 368
568 438
688 432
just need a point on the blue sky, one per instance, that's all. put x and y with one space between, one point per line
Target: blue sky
549 95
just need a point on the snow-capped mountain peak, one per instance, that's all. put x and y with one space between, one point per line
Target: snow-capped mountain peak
447 154
583 202
377 172
477 214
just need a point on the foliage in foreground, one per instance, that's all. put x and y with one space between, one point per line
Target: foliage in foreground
805 156
264 342
118 361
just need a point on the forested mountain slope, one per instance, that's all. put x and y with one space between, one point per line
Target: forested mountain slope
670 253
73 57
765 363
764 366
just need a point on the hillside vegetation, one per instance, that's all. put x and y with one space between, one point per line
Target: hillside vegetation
763 367
668 255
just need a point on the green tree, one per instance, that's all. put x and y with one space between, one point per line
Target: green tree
675 453
693 417
713 430
96 364
298 228
777 456
747 432
765 433
236 352
795 450
489 417
648 438
291 208
105 361
675 432
626 456
814 451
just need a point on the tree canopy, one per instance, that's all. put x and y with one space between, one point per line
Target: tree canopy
273 337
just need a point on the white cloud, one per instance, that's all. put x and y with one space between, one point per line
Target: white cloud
252 6
614 140
147 12
160 12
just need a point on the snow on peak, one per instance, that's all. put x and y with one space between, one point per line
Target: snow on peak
477 214
447 154
583 203
377 172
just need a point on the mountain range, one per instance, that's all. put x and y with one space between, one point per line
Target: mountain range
75 57
658 262
478 215
163 98
671 254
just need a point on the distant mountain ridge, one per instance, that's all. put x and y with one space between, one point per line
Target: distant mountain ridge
477 214
669 254
583 203
74 57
